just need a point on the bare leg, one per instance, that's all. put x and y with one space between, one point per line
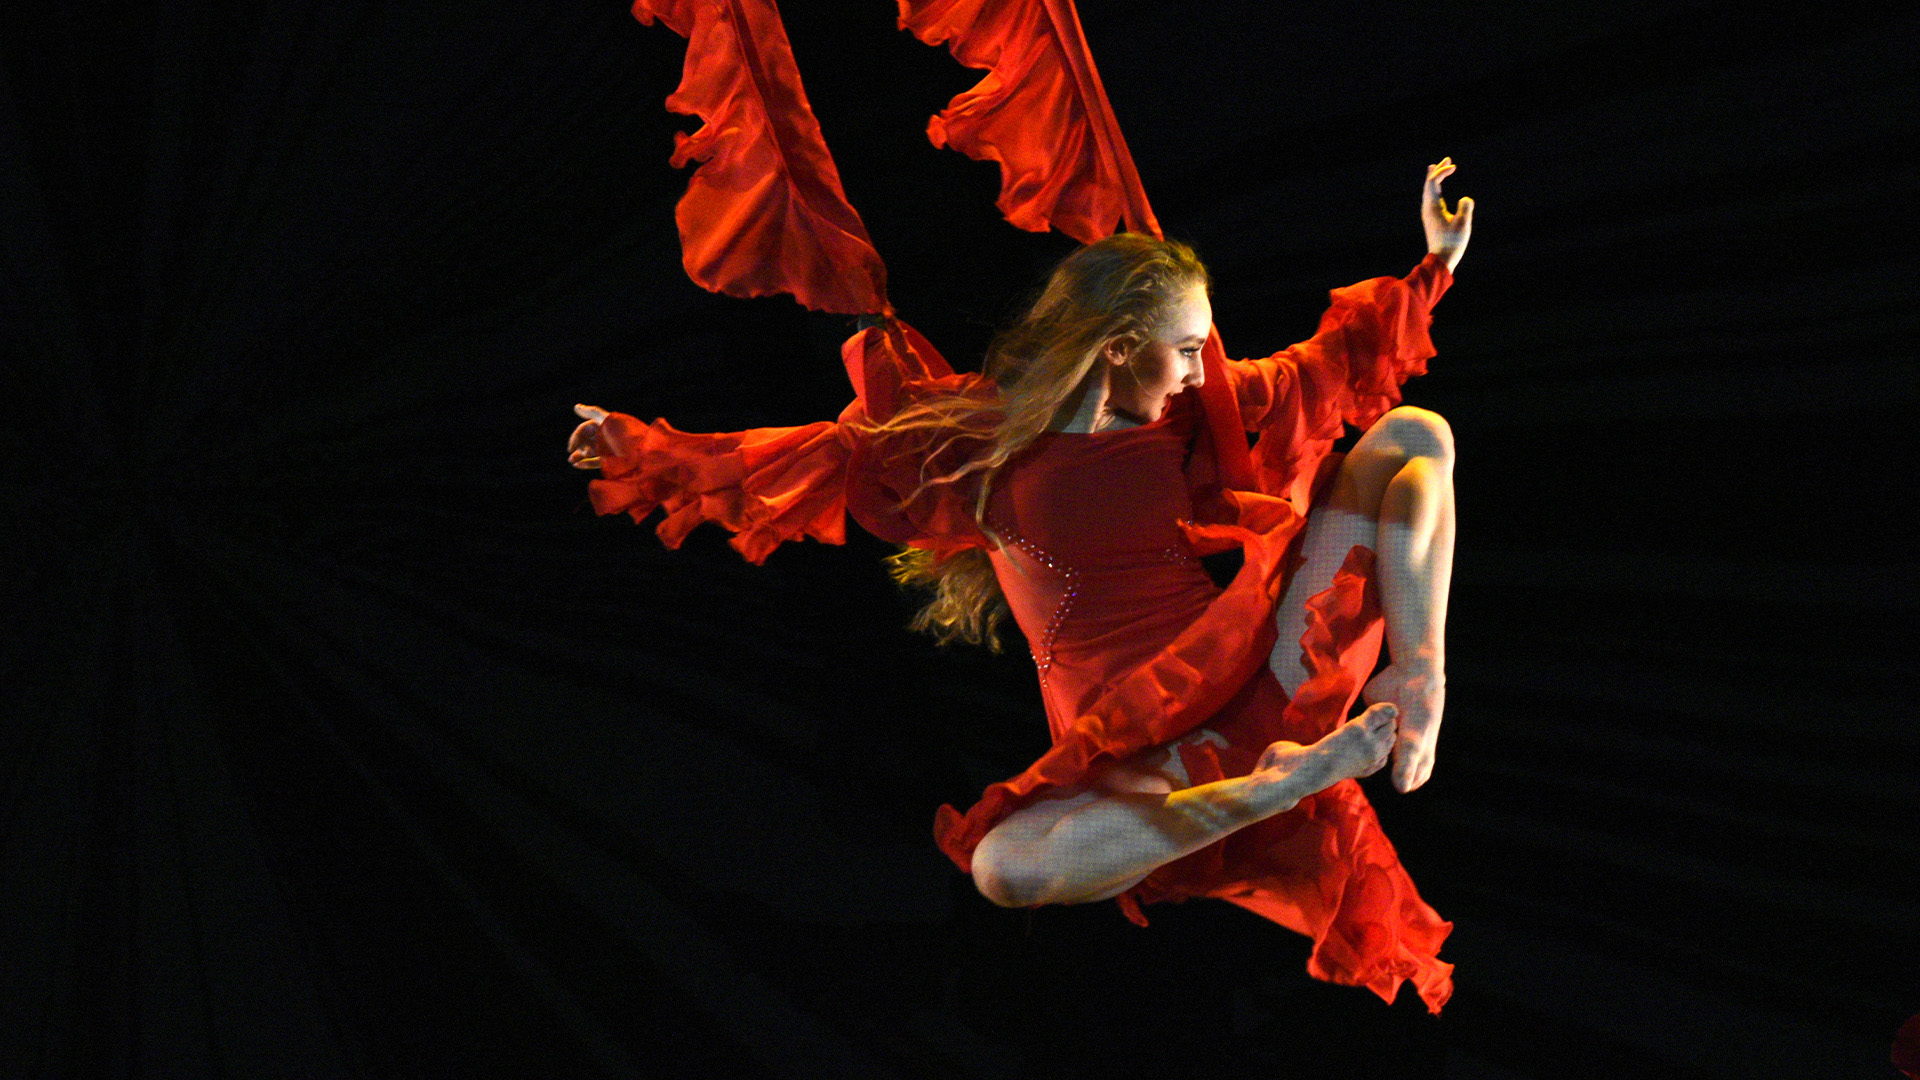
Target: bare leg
1394 494
1416 566
1097 843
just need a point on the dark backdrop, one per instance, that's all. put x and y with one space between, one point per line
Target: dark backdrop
341 739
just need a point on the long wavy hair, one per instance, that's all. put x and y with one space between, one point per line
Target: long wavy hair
1123 287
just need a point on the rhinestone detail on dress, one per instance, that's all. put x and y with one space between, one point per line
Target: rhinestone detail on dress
1043 650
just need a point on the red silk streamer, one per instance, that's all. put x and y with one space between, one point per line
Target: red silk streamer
765 212
1041 112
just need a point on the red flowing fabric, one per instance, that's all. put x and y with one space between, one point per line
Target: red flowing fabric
1041 112
764 213
1152 650
766 486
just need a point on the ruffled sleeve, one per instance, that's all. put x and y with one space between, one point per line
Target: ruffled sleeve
888 488
1372 339
771 485
766 486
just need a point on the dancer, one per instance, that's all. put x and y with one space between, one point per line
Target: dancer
1201 745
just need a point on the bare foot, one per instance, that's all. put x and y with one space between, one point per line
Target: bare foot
1419 687
1356 748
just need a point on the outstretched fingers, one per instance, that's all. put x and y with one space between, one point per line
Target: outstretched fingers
580 444
1431 200
1447 231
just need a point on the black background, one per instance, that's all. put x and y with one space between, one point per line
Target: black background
341 739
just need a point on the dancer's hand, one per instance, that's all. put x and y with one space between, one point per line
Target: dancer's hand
580 447
1446 233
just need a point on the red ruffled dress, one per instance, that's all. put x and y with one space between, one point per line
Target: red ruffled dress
1135 645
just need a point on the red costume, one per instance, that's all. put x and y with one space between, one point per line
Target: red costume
1136 647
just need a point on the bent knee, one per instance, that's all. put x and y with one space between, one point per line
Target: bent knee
1415 433
1000 880
1007 873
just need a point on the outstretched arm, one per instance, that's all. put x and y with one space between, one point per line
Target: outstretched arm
772 485
765 485
1446 232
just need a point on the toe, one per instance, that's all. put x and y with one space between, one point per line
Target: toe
1410 769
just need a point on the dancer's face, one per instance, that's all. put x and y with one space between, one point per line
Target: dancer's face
1142 380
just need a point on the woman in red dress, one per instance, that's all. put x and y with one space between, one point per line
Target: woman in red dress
1201 745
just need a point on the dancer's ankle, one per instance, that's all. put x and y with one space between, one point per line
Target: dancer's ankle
1426 659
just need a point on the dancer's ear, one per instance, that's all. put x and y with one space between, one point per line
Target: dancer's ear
1119 350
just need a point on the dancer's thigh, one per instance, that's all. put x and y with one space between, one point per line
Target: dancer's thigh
1157 770
1348 514
1025 844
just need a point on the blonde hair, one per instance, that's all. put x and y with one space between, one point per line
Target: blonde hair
1123 287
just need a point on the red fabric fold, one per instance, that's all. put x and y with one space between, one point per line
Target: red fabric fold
888 364
892 366
1324 869
765 212
1041 112
767 486
1373 338
1222 412
1906 1047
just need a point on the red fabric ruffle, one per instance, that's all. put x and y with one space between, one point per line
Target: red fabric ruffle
1371 339
767 486
1323 869
765 212
1041 112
